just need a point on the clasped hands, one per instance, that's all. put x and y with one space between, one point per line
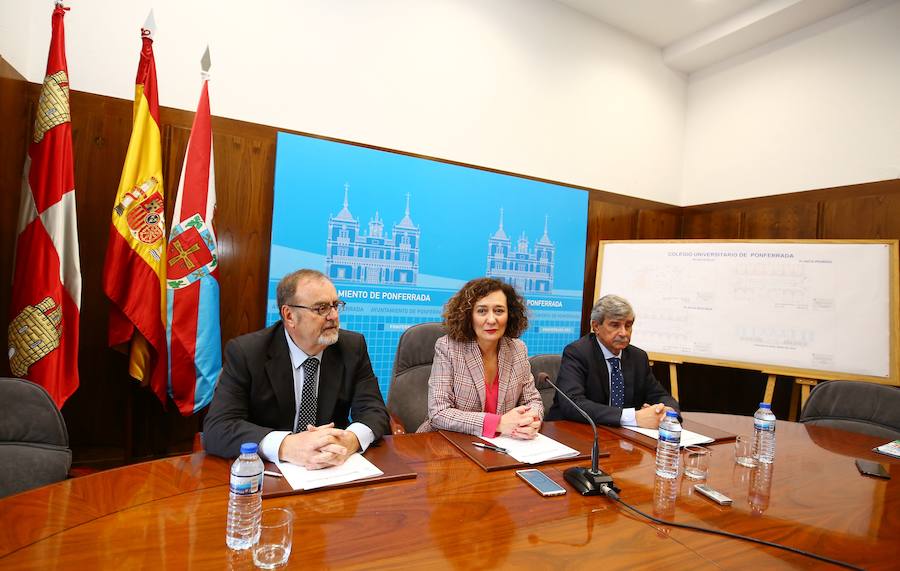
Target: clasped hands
318 447
650 415
520 422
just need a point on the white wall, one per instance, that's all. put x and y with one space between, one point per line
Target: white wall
528 86
818 108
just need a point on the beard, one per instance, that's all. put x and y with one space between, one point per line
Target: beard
329 337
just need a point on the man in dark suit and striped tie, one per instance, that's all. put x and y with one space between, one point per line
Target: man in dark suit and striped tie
607 377
294 386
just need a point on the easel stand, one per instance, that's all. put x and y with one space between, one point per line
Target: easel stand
673 378
800 390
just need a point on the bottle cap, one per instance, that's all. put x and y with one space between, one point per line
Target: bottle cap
765 405
249 448
672 413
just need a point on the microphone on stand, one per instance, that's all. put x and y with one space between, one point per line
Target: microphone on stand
586 481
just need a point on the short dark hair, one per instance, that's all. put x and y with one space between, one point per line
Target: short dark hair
287 287
458 310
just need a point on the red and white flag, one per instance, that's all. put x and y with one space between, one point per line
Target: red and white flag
46 295
192 273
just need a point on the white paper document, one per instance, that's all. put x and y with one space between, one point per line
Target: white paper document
889 449
688 438
355 468
539 449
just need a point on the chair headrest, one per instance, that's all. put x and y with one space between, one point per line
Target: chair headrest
28 414
854 401
543 366
416 346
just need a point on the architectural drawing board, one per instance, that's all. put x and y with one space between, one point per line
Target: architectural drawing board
818 309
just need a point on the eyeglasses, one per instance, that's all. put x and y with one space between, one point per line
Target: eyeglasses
322 309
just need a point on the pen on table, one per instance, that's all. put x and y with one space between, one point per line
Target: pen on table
273 474
490 447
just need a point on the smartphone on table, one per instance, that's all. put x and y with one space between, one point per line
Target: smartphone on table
541 482
872 468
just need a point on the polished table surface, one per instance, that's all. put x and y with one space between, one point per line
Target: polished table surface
171 513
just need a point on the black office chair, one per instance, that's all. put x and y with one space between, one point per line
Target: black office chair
548 364
34 442
408 393
868 408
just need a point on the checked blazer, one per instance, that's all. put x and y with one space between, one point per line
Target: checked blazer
456 386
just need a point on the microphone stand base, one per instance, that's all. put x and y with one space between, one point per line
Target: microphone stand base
587 482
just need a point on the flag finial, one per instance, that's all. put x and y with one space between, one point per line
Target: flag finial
149 25
205 61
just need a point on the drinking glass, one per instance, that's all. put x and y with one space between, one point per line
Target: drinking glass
743 451
696 462
276 531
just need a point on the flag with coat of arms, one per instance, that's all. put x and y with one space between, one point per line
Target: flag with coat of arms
46 295
135 265
192 272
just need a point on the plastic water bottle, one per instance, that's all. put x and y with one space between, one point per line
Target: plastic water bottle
245 499
760 488
764 434
667 447
665 493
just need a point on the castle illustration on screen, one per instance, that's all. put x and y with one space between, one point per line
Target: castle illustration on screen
398 235
376 256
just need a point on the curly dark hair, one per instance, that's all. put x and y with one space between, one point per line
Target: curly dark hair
458 311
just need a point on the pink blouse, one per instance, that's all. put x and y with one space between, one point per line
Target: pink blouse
491 419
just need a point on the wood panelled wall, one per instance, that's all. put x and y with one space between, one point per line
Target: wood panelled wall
14 124
110 419
857 212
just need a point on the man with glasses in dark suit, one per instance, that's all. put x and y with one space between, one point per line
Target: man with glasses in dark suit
294 386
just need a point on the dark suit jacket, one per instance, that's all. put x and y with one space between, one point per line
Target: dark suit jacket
583 376
255 392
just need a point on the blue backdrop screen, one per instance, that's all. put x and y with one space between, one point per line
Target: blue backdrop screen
399 235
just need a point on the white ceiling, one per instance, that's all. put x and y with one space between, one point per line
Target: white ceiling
694 34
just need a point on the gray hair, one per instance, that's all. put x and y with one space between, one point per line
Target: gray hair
613 307
287 287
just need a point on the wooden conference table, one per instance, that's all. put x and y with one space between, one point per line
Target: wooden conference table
170 514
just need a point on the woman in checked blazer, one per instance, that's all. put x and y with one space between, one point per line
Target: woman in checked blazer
481 380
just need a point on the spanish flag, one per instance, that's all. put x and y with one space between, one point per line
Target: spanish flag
134 272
